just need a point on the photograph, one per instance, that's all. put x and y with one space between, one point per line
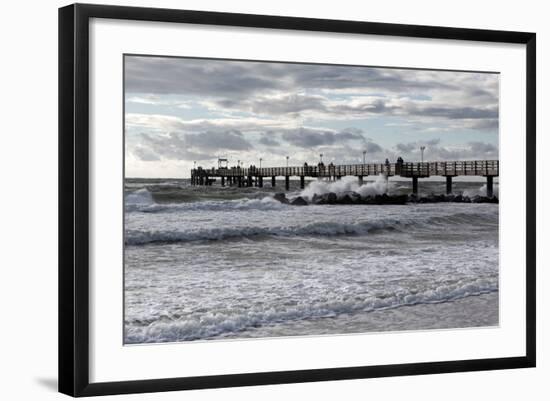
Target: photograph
270 199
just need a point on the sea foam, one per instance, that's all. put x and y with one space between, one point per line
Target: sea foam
348 184
224 322
142 201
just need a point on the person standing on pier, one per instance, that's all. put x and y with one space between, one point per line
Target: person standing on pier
398 165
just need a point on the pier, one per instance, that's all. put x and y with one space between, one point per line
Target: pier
254 176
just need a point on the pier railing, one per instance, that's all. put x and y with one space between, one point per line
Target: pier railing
252 176
416 169
306 171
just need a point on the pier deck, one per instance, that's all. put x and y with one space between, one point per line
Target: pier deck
249 176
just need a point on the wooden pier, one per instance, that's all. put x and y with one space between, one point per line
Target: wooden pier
252 176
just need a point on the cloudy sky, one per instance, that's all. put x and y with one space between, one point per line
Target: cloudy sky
181 110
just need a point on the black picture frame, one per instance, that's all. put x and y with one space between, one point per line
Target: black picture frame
74 198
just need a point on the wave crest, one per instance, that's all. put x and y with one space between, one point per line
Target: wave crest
142 201
138 237
213 324
348 184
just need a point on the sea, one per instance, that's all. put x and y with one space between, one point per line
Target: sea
227 263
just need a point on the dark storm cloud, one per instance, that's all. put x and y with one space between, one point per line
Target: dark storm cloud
483 148
145 154
288 104
295 90
214 140
372 147
222 78
155 148
454 112
188 76
342 77
377 106
410 108
268 140
293 105
405 147
184 146
486 124
435 151
307 137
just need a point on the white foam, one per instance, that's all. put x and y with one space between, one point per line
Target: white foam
139 203
212 324
348 184
136 237
481 191
141 197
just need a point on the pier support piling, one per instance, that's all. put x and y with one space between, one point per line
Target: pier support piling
449 179
260 182
287 182
223 181
415 185
360 178
273 181
302 182
489 186
249 180
240 181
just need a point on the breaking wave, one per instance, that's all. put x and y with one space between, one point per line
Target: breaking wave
141 197
348 184
142 201
481 191
227 322
139 237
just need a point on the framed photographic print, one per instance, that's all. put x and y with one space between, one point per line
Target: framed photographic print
250 199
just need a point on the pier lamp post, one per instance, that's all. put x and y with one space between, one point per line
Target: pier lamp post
260 162
422 148
364 155
238 163
287 161
321 157
194 165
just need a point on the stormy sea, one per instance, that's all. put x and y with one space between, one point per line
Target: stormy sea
213 262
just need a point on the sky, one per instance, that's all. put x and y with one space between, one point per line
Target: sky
184 110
